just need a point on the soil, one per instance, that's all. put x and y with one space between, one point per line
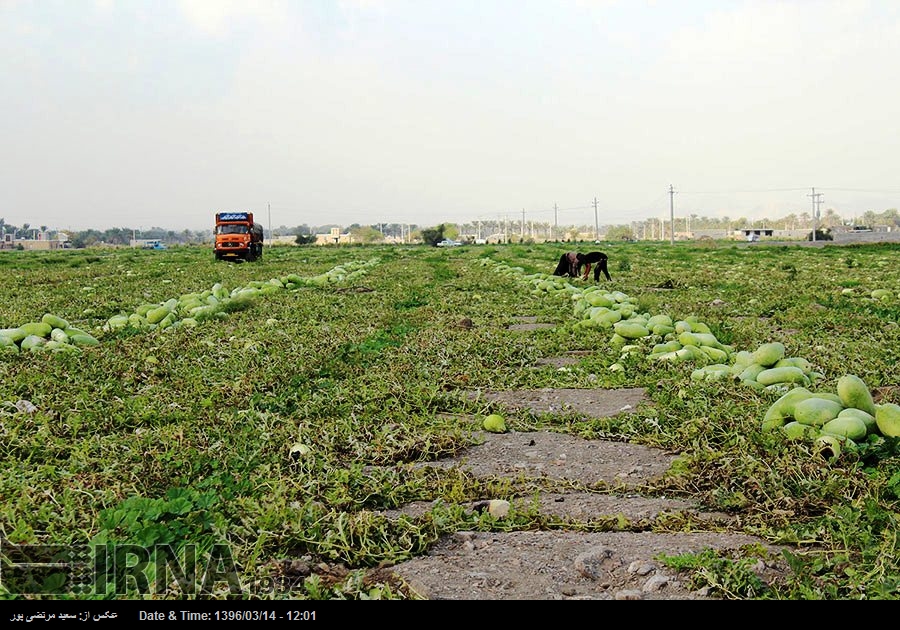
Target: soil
592 481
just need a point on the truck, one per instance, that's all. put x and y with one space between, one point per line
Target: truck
148 243
153 244
237 237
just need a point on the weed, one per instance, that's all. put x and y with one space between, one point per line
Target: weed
183 437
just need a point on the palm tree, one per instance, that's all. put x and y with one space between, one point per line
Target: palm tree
831 218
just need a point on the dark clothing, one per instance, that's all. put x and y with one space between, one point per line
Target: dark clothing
593 258
572 258
568 265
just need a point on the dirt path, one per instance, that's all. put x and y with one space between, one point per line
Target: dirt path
569 563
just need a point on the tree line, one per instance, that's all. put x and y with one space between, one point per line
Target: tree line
500 229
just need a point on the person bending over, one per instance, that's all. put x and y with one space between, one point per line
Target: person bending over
593 258
569 265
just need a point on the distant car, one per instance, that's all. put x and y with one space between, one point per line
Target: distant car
448 242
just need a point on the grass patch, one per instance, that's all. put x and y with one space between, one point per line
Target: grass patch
362 372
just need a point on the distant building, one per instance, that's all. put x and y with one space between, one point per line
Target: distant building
33 243
868 234
754 234
334 237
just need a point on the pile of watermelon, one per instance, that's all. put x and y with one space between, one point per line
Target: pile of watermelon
833 421
51 333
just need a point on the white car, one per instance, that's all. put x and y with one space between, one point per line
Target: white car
448 242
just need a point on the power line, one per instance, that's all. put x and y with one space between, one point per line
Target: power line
733 192
362 215
877 192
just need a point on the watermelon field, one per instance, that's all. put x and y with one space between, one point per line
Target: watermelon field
212 423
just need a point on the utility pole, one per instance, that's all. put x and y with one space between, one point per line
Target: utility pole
819 202
596 222
815 206
270 222
672 212
555 220
523 225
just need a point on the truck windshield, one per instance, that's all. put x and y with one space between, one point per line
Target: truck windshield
231 229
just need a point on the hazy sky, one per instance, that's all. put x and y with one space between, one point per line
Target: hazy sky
131 113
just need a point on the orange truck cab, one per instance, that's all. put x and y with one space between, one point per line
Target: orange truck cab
237 236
